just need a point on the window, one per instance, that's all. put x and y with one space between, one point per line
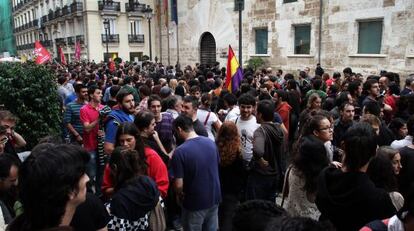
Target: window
369 37
135 27
111 26
261 41
302 39
287 1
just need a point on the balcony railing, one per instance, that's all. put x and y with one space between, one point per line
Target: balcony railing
58 13
25 46
51 15
109 5
136 38
66 10
46 43
112 38
43 19
80 38
71 40
135 7
76 7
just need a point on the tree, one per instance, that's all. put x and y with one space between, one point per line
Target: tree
255 63
29 91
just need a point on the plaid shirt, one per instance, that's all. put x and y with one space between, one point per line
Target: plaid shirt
165 130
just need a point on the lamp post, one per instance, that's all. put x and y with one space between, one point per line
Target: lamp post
106 26
148 15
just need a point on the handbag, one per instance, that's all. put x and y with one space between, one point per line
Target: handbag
157 218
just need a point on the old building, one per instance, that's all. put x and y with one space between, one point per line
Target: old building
291 34
62 23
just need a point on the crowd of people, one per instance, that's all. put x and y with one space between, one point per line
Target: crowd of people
153 147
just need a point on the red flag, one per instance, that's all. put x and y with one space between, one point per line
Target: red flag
42 55
77 51
62 56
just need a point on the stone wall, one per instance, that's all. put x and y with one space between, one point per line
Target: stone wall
339 32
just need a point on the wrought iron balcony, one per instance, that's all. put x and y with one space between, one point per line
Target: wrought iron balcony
76 7
43 19
57 13
46 43
136 38
112 38
135 7
66 10
51 15
109 5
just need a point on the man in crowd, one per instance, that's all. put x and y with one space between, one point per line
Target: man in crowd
163 122
89 116
15 140
71 118
189 109
9 170
266 167
282 106
233 111
196 178
123 113
345 121
246 124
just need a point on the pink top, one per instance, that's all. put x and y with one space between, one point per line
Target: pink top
90 114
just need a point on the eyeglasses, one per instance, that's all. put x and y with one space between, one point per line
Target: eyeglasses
327 128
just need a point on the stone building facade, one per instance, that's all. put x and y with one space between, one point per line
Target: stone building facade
336 28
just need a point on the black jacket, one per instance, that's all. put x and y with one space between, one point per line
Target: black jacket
350 200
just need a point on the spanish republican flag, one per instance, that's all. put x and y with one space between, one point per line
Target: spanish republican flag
234 73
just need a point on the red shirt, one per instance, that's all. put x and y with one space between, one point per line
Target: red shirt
156 170
90 114
284 111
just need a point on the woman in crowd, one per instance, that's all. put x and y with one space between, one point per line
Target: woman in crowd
128 137
232 173
399 128
135 194
145 122
301 176
52 184
209 119
383 170
314 103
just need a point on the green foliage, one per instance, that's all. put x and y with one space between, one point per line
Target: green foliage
255 63
29 91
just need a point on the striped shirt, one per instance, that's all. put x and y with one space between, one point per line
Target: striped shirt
72 114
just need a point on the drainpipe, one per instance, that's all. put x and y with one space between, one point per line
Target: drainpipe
320 30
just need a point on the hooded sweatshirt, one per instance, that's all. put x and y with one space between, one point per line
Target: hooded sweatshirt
132 202
350 199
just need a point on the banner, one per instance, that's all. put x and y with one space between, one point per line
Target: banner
62 56
174 13
42 55
77 51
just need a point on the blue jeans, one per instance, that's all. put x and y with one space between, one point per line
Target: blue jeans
94 172
261 187
200 220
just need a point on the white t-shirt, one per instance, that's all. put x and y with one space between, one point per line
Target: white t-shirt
202 116
246 129
233 114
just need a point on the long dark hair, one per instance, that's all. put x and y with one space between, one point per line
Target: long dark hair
310 159
381 172
46 179
129 128
125 165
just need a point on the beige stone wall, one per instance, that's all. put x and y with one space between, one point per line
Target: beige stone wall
339 32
